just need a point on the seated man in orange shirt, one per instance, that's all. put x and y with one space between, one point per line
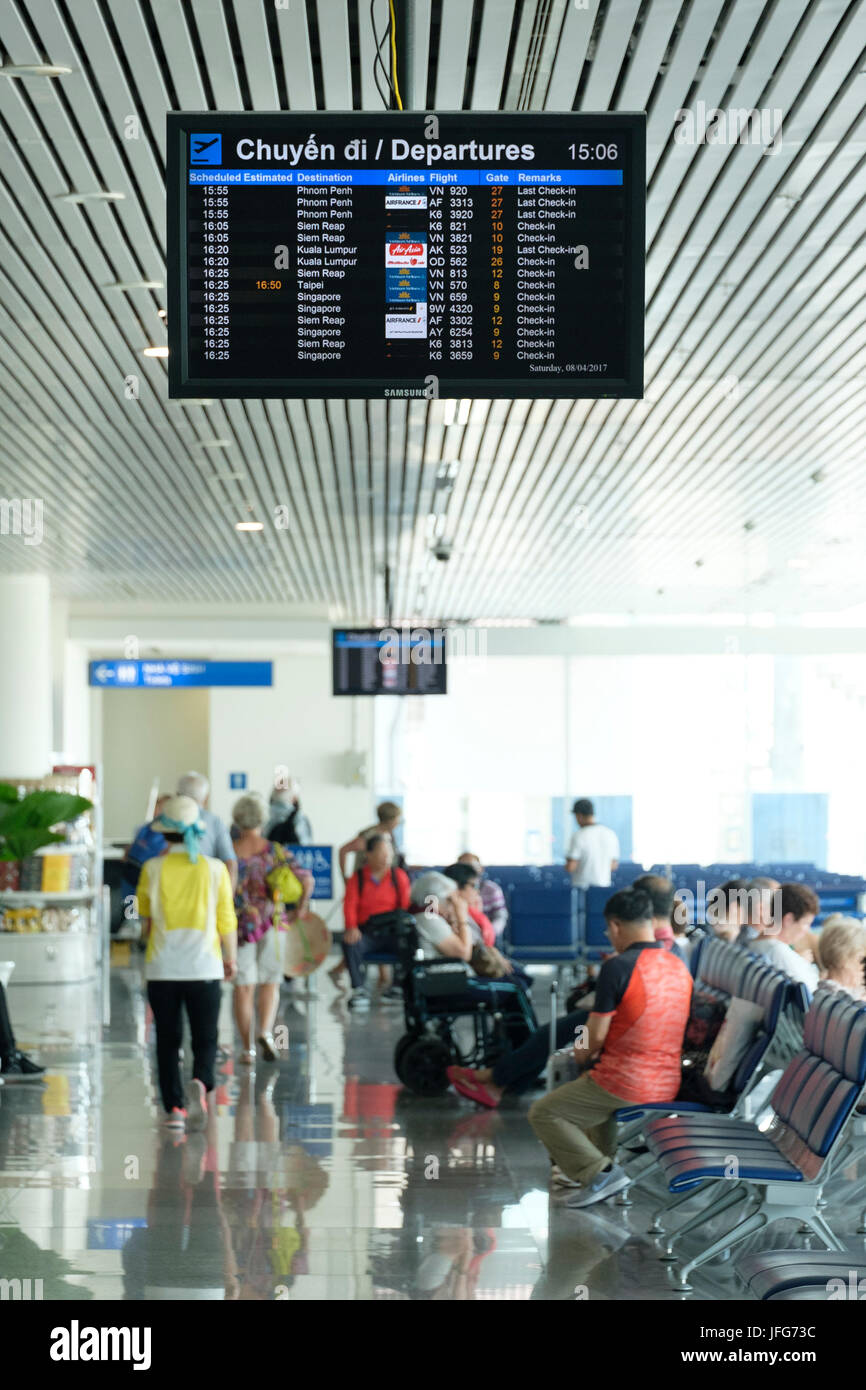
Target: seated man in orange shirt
635 1030
373 895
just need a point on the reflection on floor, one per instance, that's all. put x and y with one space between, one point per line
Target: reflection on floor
318 1177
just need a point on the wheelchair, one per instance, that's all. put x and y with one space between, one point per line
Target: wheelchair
436 994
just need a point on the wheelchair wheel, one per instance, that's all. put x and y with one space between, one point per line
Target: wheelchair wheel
399 1051
422 1066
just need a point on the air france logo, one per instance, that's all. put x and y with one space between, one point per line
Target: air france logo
205 149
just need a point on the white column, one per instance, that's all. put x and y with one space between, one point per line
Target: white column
25 676
77 740
59 626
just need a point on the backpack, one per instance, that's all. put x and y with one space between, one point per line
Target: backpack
360 877
285 833
394 925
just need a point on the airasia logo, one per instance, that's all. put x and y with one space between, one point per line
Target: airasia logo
406 248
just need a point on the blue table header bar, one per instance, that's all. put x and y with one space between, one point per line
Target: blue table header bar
394 178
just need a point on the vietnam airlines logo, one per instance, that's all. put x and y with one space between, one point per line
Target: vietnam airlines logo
205 149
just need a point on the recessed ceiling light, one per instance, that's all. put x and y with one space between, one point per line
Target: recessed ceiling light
163 313
155 352
226 478
457 412
213 444
137 285
103 196
192 400
446 473
34 70
249 526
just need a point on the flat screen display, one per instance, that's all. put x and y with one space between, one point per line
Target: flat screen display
358 255
376 661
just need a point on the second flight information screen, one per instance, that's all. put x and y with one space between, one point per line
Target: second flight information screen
358 255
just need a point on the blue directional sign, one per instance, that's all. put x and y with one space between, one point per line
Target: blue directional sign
237 781
317 860
166 675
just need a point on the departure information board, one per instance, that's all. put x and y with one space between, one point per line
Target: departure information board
401 254
376 661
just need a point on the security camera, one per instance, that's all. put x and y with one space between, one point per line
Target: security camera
442 550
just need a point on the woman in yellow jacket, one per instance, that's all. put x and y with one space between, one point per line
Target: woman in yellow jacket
188 919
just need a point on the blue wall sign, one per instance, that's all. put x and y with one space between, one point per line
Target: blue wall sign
131 675
237 781
317 860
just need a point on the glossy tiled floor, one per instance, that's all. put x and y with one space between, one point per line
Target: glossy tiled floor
318 1177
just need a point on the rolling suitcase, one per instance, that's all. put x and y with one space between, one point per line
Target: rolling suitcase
561 1066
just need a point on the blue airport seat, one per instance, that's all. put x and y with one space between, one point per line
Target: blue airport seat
787 1165
786 1275
594 941
543 923
725 971
381 958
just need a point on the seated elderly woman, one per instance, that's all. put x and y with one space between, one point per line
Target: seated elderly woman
841 951
441 917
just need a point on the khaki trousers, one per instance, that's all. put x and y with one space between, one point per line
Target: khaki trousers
575 1124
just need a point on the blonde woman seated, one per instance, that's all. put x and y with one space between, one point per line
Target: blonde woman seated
841 953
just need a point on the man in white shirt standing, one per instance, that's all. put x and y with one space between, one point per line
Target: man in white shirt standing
593 853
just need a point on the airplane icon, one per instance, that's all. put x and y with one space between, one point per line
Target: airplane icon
206 149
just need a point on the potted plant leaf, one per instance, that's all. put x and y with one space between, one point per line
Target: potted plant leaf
27 825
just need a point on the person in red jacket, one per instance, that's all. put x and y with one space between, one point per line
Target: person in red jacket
374 892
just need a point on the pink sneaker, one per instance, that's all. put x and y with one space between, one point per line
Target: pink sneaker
472 1090
175 1119
196 1099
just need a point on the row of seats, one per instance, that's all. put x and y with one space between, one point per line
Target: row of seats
552 922
778 1163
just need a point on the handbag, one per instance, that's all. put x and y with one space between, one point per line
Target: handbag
487 962
283 883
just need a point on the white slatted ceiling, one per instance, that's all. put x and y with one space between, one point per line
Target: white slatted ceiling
756 269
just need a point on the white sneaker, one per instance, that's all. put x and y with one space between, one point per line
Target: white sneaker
196 1105
359 999
128 931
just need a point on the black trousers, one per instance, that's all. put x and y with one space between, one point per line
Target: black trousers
168 999
524 1063
7 1037
354 953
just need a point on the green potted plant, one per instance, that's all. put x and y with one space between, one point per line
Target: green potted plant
26 825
